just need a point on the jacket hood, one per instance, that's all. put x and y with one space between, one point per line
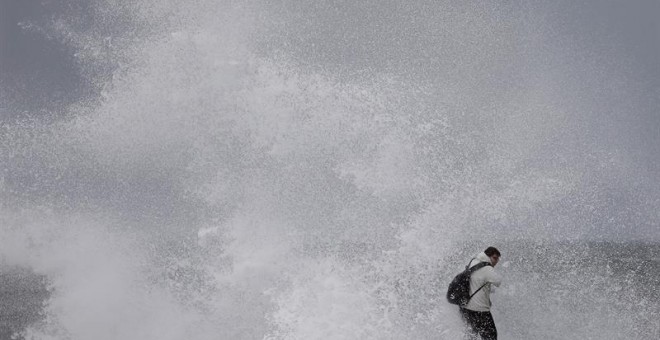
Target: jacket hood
482 257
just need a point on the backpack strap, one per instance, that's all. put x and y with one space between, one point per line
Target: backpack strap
476 291
475 268
468 265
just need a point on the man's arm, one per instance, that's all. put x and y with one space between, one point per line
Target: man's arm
493 277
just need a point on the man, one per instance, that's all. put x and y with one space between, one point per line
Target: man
476 313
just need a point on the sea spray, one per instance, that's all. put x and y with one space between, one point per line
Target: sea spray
227 182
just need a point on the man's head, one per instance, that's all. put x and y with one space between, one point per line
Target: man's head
493 254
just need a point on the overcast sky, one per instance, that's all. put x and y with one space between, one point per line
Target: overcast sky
35 72
33 66
40 76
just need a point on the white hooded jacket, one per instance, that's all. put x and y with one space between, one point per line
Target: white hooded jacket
480 302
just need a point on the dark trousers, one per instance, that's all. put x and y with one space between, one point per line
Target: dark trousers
480 323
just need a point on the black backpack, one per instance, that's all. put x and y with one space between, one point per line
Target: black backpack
458 292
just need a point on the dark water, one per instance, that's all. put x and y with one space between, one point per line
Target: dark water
22 297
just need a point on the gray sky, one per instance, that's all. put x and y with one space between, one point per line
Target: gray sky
37 65
35 73
607 54
32 66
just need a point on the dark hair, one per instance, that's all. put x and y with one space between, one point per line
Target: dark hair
490 251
